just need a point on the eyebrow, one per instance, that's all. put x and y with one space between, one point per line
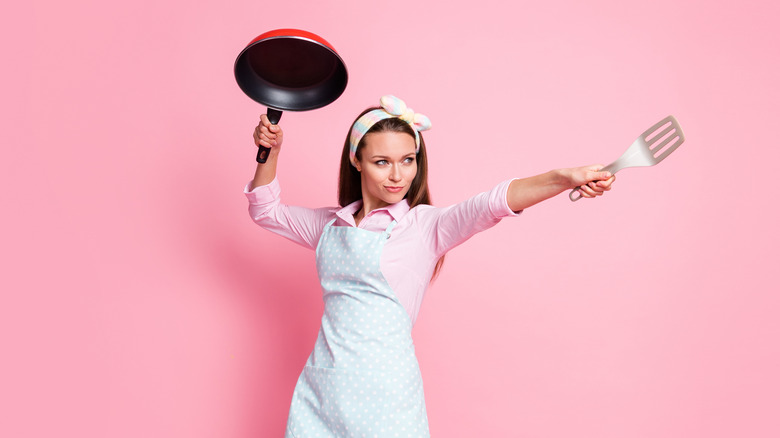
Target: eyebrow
410 154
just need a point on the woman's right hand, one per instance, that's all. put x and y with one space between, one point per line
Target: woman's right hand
268 135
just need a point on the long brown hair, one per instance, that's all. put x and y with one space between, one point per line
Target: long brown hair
350 188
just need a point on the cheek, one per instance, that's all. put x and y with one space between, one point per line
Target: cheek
411 173
372 176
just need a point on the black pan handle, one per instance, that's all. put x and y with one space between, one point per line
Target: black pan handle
273 116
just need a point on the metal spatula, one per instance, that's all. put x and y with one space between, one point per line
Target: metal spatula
648 149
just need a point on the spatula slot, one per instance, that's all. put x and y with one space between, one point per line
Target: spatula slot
664 135
666 147
658 132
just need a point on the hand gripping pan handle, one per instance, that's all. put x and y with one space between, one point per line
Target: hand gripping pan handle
274 116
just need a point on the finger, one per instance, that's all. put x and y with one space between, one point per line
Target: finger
597 189
261 130
265 121
267 133
587 191
262 139
595 167
600 176
607 185
259 136
265 142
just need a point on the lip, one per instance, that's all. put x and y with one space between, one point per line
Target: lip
393 189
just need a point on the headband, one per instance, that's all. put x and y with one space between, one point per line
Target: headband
391 106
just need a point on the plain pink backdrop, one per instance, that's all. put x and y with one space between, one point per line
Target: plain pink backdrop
139 300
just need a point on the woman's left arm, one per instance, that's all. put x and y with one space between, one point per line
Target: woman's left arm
526 192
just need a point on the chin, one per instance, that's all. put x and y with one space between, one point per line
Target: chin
392 198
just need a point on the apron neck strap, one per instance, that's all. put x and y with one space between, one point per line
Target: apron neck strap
391 226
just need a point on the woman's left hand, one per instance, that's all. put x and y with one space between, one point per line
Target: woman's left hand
590 179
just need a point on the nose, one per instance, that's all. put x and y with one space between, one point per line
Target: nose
395 173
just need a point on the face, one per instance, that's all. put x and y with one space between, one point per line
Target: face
387 166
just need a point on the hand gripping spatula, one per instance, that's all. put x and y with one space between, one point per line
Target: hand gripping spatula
648 149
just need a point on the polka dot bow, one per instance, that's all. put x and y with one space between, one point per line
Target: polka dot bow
391 106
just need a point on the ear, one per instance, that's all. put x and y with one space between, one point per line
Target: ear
357 165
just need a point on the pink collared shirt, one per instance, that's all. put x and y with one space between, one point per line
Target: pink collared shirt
421 235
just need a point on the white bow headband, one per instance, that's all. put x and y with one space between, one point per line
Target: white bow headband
391 106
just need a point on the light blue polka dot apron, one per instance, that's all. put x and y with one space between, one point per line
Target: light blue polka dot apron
362 379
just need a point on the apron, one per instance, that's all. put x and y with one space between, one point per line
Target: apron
362 379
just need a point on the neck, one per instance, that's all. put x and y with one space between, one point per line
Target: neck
368 206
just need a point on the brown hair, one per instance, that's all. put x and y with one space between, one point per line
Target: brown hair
350 189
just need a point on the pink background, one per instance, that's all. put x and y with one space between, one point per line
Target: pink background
139 300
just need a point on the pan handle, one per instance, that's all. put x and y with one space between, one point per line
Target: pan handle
273 116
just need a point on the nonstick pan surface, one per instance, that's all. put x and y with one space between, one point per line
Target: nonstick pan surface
291 70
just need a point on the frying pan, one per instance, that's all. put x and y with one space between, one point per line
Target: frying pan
290 70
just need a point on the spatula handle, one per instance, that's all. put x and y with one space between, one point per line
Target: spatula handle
575 194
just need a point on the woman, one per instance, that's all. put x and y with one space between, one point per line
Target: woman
376 255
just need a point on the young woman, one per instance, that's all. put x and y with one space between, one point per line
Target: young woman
376 254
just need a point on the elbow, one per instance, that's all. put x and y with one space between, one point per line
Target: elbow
259 214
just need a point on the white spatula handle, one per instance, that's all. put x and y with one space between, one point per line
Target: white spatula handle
575 194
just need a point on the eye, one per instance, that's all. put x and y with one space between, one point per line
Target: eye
380 162
409 160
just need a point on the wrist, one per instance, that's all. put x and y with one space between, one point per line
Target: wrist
271 155
562 178
274 152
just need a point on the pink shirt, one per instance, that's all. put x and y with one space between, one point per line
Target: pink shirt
420 237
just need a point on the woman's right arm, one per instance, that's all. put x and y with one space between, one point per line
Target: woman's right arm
299 224
270 136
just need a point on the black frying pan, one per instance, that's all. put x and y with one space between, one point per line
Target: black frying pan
290 70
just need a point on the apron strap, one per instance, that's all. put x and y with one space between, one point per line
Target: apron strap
390 228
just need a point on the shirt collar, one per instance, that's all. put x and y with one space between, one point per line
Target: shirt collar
397 210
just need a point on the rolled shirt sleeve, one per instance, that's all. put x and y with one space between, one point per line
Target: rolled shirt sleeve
450 226
299 224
